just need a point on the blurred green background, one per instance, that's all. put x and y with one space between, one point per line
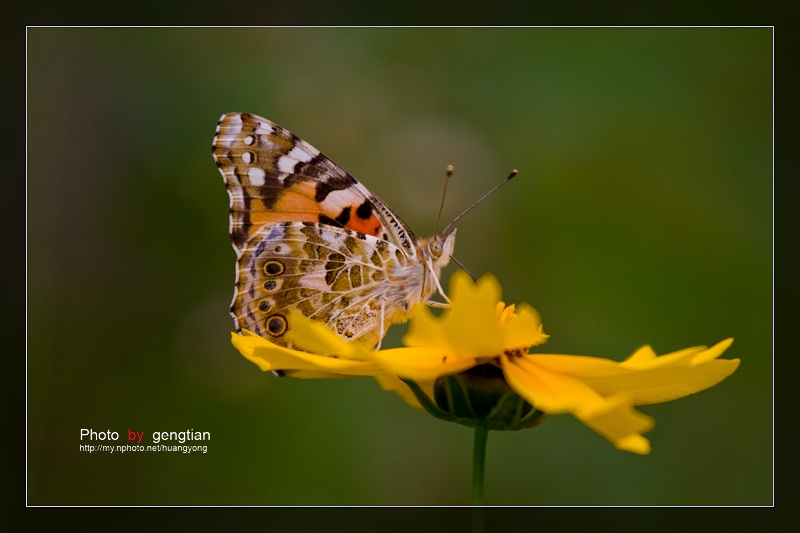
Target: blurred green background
641 215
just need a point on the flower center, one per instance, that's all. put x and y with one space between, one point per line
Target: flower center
516 352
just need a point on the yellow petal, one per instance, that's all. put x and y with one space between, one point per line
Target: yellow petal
316 337
548 391
525 328
269 356
645 377
471 325
421 363
620 423
424 330
612 417
473 305
315 374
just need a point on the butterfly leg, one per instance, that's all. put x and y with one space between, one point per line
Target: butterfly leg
439 305
438 285
383 330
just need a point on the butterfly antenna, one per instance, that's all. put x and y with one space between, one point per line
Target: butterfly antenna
482 198
444 193
463 268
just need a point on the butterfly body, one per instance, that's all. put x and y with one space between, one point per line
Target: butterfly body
309 237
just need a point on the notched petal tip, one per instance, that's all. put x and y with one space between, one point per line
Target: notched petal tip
633 443
712 353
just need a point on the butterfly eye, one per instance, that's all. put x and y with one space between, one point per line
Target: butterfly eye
435 248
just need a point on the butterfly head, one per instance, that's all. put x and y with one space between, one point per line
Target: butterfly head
438 250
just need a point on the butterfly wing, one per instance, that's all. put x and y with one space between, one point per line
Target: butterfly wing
273 176
309 237
326 273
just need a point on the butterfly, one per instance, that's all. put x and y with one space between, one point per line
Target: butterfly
310 238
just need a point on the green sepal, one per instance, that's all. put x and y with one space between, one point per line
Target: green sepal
451 395
480 394
433 409
512 413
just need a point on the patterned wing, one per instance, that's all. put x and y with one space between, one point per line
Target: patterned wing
273 176
329 274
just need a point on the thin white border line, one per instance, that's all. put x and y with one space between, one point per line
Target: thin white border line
422 27
773 266
28 505
420 506
27 423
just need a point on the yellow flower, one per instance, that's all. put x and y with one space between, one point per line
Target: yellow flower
474 361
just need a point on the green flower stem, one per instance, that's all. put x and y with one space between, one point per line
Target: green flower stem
478 462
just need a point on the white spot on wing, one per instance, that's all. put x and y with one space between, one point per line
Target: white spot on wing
257 176
286 164
248 140
226 140
264 129
300 154
247 157
338 200
235 124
